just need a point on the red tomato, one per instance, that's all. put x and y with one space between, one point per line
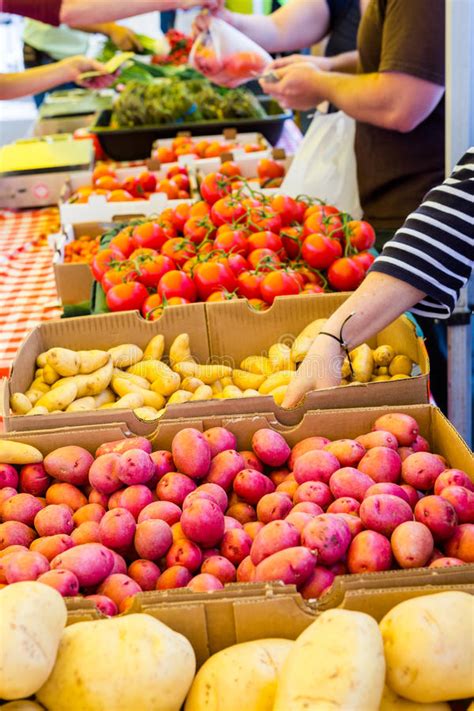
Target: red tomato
101 262
309 276
317 223
264 218
147 181
176 283
364 259
101 170
176 170
320 251
153 235
301 208
219 296
237 263
248 284
227 211
312 289
123 242
265 240
252 203
268 169
151 270
120 196
107 182
179 250
361 234
278 283
180 215
264 259
151 306
143 251
345 274
214 187
252 147
243 65
169 188
182 181
325 210
213 276
119 274
292 238
197 229
232 241
199 209
258 304
165 154
287 208
126 297
230 169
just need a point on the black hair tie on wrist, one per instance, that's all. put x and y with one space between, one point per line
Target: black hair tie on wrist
341 341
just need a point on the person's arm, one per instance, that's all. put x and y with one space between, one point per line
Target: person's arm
123 37
345 62
34 81
42 10
81 12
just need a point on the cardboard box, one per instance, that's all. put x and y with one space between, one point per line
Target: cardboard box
229 135
224 333
248 162
73 280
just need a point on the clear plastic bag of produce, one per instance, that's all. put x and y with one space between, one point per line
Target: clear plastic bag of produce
226 56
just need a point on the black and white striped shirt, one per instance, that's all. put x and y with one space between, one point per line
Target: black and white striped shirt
434 250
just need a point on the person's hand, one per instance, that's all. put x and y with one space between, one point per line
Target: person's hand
201 22
212 5
320 369
124 38
73 67
321 63
298 87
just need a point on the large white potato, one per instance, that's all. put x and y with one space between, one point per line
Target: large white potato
32 618
131 663
429 647
336 663
392 702
240 678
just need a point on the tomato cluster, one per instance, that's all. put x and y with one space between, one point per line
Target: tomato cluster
230 245
199 148
180 47
105 182
230 70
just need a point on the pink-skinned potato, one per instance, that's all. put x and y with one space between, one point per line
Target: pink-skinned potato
252 528
134 498
379 438
272 507
435 555
22 566
90 562
119 565
217 492
114 500
53 519
119 588
12 549
354 523
421 444
63 581
461 543
339 568
446 563
292 566
34 480
314 491
270 447
191 453
177 531
64 493
153 539
307 507
123 445
242 512
203 522
318 583
278 476
164 510
9 477
462 500
438 514
176 576
386 487
251 461
384 512
96 497
117 529
204 582
412 544
235 545
405 452
250 485
224 468
345 504
369 552
89 512
87 532
104 604
220 568
51 546
104 473
421 470
298 519
220 439
245 571
274 537
403 427
381 464
230 523
184 553
315 465
197 495
137 467
412 494
349 452
145 573
174 487
70 464
22 508
14 533
163 463
452 477
290 487
6 493
328 535
209 553
306 445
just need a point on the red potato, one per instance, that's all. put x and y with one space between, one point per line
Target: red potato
104 473
383 513
220 568
278 476
191 453
344 505
163 463
328 535
203 522
119 588
307 507
290 487
349 482
386 487
53 519
379 438
63 581
119 565
217 493
438 514
87 532
348 452
153 539
194 495
246 571
64 493
316 465
184 553
250 485
421 470
354 523
145 573
412 544
230 523
251 461
137 467
412 494
209 553
404 427
339 568
252 528
5 494
446 563
270 447
405 452
114 499
117 529
9 477
13 549
70 464
104 604
318 583
314 491
369 552
461 543
89 512
90 562
272 507
298 519
235 545
224 468
177 531
22 508
421 444
382 464
177 576
462 501
134 498
22 566
123 445
306 445
204 583
274 537
452 477
51 546
293 566
95 497
14 533
164 510
244 513
174 487
220 439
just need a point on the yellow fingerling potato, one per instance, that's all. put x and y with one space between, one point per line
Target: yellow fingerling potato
362 363
107 396
203 393
166 382
150 398
280 357
207 373
231 392
81 405
129 402
147 414
191 384
40 411
137 379
34 395
94 383
20 404
279 394
49 375
59 398
63 361
304 340
227 380
217 387
247 381
149 369
38 373
260 365
345 369
380 378
180 349
383 355
155 348
275 381
18 453
250 393
392 702
400 376
126 355
400 365
41 360
92 360
40 385
180 396
381 370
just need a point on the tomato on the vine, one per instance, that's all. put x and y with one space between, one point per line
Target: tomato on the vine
143 252
264 259
119 274
264 218
182 181
214 187
151 270
147 181
278 283
169 188
237 263
149 307
345 274
132 186
268 168
242 65
123 241
176 170
219 296
265 240
324 210
292 240
102 260
227 211
197 229
287 208
361 234
330 225
199 209
176 283
126 297
319 251
232 241
248 284
258 304
230 169
178 249
213 276
180 215
364 259
153 235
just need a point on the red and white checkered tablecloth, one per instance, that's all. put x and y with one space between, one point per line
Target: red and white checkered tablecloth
28 293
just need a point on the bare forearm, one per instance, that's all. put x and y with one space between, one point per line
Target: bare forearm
78 12
346 62
32 81
100 28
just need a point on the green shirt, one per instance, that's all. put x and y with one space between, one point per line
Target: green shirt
59 42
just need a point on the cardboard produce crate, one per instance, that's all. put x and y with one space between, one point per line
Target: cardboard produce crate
229 135
224 333
73 280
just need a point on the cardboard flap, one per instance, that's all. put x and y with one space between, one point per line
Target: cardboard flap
90 437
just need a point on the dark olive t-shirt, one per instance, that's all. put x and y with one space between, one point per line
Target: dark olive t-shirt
396 170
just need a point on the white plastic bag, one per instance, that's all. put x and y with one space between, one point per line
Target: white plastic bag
226 56
324 165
